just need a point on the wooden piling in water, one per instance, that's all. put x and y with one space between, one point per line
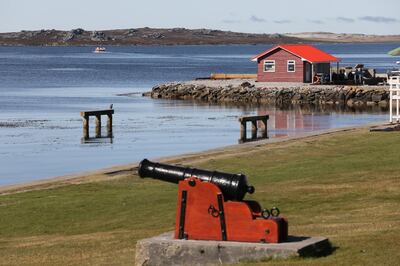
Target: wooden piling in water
85 127
98 126
254 129
264 130
109 126
243 130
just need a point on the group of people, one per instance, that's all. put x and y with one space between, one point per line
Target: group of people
342 76
358 75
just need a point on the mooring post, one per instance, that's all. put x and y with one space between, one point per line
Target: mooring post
264 131
254 129
85 127
98 126
109 125
243 129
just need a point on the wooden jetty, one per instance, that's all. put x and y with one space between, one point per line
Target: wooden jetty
254 127
97 114
232 76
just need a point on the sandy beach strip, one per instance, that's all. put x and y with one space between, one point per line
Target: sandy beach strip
119 171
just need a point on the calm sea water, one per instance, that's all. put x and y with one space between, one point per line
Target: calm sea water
43 89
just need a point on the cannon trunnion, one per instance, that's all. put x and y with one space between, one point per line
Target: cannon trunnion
211 207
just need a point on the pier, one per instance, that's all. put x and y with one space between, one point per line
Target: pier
97 114
254 127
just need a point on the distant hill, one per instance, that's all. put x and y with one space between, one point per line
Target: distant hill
343 37
175 36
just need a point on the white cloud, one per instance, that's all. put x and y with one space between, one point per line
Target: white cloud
257 19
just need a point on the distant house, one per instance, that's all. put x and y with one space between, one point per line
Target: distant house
294 63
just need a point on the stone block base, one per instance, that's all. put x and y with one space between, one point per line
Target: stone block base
164 250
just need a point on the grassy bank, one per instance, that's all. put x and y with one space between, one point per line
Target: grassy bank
345 186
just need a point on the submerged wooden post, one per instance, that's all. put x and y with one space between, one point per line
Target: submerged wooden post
254 127
98 126
85 127
264 130
97 114
243 129
109 126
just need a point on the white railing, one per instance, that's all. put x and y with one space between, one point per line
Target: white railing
394 90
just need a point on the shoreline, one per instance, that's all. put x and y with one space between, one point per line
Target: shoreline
190 44
118 171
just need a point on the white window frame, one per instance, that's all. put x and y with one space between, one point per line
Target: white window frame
269 62
292 62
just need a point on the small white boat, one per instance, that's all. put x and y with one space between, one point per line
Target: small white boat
100 50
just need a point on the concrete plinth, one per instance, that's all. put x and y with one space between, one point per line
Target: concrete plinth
164 250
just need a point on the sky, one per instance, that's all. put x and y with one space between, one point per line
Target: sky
253 16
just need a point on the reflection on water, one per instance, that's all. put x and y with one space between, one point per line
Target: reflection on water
284 123
300 119
97 140
288 120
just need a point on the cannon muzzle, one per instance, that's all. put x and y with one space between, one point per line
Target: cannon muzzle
232 186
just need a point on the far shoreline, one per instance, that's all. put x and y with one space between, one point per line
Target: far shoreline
187 45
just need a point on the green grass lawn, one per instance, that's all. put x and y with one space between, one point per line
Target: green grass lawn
345 186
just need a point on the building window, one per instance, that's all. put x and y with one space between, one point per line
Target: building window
291 66
269 66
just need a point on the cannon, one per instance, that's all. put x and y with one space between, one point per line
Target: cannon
233 186
211 206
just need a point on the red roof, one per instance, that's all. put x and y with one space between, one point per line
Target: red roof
304 51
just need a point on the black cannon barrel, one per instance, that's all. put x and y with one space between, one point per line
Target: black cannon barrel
233 186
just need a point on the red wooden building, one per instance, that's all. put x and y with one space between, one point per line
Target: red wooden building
294 63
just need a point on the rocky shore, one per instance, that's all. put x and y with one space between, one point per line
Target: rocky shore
139 36
249 91
174 36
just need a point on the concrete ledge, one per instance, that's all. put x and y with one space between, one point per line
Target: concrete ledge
164 250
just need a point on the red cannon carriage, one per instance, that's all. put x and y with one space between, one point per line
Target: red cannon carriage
211 207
